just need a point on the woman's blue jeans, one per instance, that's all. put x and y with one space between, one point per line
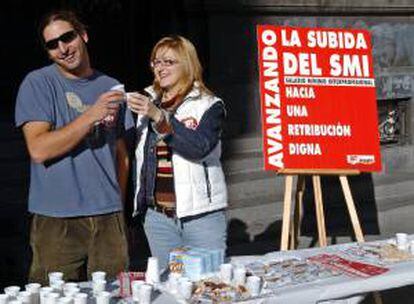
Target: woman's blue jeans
208 230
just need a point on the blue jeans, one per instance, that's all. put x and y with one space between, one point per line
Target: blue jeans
165 234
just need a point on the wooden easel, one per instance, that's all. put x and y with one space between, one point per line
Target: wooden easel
293 230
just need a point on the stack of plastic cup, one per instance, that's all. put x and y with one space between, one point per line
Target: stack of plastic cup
98 275
226 272
12 292
34 289
98 282
4 298
70 289
44 291
25 297
253 285
135 289
65 300
239 276
186 288
98 286
402 241
173 278
80 298
52 298
103 297
55 276
145 293
152 276
57 286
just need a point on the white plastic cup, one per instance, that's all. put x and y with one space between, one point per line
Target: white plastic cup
70 285
57 286
34 289
25 297
226 272
4 298
70 292
145 292
103 297
186 289
55 276
65 300
12 291
52 298
152 275
401 240
173 281
80 298
98 275
253 285
109 120
98 286
239 276
135 287
44 291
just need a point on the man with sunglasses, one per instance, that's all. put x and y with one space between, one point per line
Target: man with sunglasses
74 123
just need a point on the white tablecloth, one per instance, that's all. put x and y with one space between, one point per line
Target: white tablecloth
339 290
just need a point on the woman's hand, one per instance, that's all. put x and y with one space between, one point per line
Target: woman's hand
142 105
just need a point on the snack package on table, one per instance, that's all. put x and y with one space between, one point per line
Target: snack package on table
125 279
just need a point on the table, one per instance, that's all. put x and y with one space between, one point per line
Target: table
339 290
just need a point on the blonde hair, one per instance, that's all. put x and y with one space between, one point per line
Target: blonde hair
187 56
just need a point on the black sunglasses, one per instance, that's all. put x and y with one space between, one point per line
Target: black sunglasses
65 37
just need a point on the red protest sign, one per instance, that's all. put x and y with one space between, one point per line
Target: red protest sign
318 100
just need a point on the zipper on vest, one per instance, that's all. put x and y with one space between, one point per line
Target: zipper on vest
208 185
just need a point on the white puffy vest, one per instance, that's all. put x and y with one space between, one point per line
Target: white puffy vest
199 185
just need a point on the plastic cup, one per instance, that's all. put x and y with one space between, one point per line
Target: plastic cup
70 292
25 297
145 292
253 285
186 289
135 288
153 273
226 272
12 291
65 300
98 275
239 276
44 291
4 298
34 289
70 285
52 298
173 281
80 298
98 286
57 286
402 240
54 276
103 297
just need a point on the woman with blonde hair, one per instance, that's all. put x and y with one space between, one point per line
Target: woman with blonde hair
180 184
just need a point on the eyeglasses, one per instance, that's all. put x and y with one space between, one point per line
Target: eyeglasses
65 37
156 63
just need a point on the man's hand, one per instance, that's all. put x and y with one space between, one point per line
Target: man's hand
106 105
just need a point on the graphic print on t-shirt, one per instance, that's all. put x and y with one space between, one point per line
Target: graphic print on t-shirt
75 102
